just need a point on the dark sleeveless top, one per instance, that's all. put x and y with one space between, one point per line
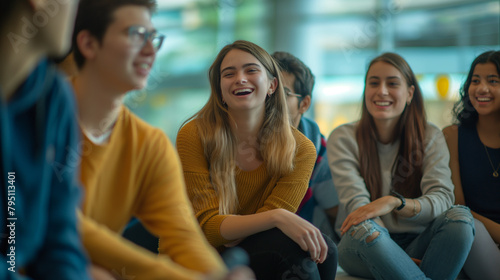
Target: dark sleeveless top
481 189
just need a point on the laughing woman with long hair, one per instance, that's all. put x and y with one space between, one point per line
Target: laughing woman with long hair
391 172
247 169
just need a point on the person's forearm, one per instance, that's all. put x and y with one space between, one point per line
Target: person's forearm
112 252
411 209
236 227
379 221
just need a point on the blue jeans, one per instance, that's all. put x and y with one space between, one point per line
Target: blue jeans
443 248
483 262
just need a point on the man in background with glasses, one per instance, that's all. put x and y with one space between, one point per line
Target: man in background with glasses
129 168
320 203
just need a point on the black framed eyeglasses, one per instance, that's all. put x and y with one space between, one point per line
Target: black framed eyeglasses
139 35
289 93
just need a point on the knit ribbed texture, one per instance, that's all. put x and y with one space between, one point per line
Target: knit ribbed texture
257 190
138 174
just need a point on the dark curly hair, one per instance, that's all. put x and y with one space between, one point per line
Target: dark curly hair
464 112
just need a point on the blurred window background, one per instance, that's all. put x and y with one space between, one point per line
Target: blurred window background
335 38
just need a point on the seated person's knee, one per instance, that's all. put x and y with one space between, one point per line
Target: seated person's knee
372 237
459 213
365 230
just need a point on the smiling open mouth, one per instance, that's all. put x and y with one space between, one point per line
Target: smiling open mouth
382 103
243 91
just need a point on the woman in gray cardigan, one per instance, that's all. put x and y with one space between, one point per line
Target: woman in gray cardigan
390 169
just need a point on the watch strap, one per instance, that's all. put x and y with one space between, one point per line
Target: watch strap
403 200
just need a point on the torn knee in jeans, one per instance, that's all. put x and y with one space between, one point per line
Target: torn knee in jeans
366 231
459 213
372 237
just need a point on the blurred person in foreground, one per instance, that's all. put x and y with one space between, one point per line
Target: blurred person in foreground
39 135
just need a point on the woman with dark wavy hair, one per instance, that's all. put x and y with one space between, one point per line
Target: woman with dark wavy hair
391 172
247 169
474 143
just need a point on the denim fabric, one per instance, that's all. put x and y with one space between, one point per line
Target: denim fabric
483 262
443 248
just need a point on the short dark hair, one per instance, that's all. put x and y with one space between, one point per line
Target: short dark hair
6 7
463 110
96 15
304 79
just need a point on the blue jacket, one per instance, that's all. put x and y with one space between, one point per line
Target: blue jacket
38 146
321 192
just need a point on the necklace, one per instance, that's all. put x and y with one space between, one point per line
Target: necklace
495 171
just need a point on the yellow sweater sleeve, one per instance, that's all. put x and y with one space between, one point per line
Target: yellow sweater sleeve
120 256
139 174
199 187
290 189
166 211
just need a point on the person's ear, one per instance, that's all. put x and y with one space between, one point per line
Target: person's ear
87 44
272 86
305 104
411 91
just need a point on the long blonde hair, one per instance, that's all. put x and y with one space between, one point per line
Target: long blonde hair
275 138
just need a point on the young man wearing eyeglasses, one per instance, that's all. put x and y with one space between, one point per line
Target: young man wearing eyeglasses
128 167
320 203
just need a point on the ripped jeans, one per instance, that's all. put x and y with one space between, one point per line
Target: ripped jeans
442 247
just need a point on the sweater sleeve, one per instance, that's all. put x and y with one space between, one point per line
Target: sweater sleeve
166 211
115 253
436 185
163 207
291 188
343 158
199 187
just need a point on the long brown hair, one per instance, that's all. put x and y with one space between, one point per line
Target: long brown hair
410 130
275 138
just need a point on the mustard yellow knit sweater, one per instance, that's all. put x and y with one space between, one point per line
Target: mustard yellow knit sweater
138 173
257 190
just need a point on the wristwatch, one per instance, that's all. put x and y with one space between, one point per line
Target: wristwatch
403 200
